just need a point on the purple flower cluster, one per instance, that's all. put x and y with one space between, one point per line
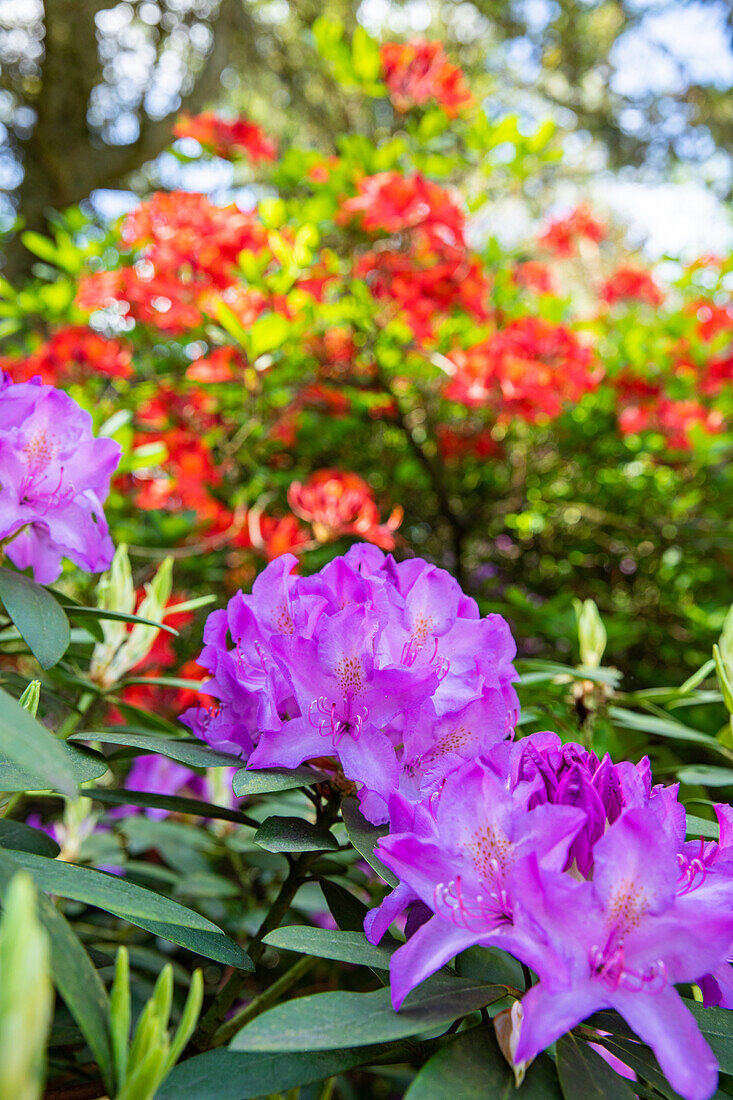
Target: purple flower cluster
580 869
54 477
577 866
385 666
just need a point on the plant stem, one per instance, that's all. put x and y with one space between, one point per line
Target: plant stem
265 1000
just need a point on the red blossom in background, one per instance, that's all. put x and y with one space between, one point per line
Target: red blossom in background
535 276
337 503
392 203
188 247
225 138
561 235
644 406
629 283
418 71
457 444
713 319
72 354
529 369
223 364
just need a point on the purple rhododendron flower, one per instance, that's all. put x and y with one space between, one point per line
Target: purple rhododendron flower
54 478
580 869
156 774
385 666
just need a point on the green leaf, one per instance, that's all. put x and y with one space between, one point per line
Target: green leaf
640 1058
324 943
583 1072
706 775
291 834
230 1075
169 802
699 826
327 1021
346 910
116 616
268 333
472 1067
267 780
187 750
86 766
22 838
662 727
37 615
141 907
120 1014
365 837
717 1027
74 976
34 755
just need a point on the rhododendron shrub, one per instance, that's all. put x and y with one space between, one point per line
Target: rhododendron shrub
425 481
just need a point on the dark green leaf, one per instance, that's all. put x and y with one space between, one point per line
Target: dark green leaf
471 1067
267 780
365 837
169 802
327 1021
119 617
583 1072
716 1024
22 838
74 976
86 766
38 617
490 964
640 1058
346 910
663 727
141 907
291 834
188 750
231 1075
42 761
324 943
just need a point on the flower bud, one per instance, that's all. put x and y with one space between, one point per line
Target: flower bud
591 633
26 993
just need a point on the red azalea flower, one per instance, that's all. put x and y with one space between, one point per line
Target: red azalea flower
338 503
562 234
220 365
418 71
529 369
392 203
73 354
535 276
717 375
225 138
712 319
629 283
457 444
644 406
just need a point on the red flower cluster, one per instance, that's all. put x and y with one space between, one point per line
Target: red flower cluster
457 444
392 203
629 283
187 247
713 319
222 364
418 71
72 354
535 276
529 369
338 503
275 535
562 234
224 138
644 406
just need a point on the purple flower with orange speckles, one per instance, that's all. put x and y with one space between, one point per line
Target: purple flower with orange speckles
54 478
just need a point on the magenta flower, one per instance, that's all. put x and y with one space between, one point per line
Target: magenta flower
54 478
376 663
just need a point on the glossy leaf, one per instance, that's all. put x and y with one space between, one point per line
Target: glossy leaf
187 750
583 1072
471 1067
38 617
267 780
22 838
348 947
291 834
716 1025
327 1021
365 837
141 907
235 1075
169 802
35 757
